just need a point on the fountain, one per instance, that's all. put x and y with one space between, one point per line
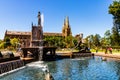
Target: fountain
38 40
40 50
8 62
40 53
37 47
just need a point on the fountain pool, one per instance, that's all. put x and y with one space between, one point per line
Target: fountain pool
89 68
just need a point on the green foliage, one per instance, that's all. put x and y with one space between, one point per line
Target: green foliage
7 42
107 39
111 39
96 40
14 42
104 41
68 41
55 41
93 41
75 42
115 37
61 42
114 8
107 34
1 41
2 45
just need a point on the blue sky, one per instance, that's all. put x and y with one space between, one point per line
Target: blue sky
85 16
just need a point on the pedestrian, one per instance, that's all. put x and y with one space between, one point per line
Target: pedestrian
110 50
106 50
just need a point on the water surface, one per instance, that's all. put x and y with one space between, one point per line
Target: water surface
88 68
85 69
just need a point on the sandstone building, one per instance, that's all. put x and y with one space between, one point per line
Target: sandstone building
66 31
27 38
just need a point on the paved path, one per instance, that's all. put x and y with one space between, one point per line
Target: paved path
115 55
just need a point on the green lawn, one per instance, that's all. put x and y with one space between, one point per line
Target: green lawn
114 51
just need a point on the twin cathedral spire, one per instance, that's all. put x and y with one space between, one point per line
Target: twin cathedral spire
66 31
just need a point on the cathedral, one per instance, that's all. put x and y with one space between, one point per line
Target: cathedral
26 38
66 31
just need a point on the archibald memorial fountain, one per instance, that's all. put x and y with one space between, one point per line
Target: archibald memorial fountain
37 46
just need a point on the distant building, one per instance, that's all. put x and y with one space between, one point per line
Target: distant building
66 31
26 38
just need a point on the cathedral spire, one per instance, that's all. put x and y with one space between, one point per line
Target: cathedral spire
66 30
67 21
39 19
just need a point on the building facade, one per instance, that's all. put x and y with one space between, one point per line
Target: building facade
31 38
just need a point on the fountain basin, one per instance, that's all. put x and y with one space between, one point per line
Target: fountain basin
84 68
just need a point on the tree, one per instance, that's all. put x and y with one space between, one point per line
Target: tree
7 42
68 41
114 9
14 42
90 40
115 37
1 44
107 34
103 42
75 41
55 41
97 39
1 41
107 38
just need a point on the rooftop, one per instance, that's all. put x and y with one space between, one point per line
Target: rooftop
29 33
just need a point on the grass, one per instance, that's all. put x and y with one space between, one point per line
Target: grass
114 51
66 50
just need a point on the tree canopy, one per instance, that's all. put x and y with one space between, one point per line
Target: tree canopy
114 8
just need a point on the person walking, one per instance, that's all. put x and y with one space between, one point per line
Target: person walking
110 50
106 50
